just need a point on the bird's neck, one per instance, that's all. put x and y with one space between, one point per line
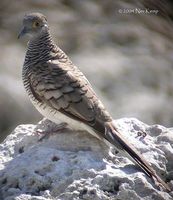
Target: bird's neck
41 49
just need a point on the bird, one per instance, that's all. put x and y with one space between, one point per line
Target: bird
61 92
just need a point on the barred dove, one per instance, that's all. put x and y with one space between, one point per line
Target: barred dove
60 92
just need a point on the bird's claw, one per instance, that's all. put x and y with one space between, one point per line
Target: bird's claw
49 130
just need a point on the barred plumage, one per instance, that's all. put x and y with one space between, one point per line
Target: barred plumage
60 91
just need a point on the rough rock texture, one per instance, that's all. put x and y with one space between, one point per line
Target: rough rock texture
76 166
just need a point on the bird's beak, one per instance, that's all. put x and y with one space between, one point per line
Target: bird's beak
22 32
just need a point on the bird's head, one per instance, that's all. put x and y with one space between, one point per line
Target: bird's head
33 25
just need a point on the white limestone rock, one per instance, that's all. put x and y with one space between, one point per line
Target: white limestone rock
73 165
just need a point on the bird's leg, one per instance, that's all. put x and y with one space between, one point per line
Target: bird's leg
45 128
51 130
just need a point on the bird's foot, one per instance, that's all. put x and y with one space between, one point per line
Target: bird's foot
45 128
46 133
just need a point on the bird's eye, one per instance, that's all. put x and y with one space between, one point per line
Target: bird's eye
35 24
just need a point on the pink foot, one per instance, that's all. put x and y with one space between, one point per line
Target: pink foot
46 128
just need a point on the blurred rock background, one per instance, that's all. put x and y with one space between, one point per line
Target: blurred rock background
128 57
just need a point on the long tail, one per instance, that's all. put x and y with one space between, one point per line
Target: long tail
115 138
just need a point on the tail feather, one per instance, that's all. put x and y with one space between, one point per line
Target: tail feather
115 138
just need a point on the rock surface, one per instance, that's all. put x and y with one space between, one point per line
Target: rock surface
76 166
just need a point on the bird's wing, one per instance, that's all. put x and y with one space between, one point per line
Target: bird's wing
65 88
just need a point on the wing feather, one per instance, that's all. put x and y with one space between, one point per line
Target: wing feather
65 88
